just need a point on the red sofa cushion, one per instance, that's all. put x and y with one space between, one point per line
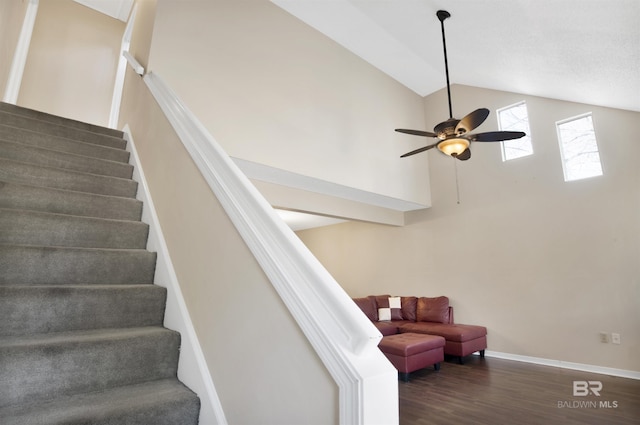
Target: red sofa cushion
368 307
457 333
409 305
432 310
387 328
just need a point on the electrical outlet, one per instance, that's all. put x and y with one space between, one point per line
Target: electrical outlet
604 337
615 338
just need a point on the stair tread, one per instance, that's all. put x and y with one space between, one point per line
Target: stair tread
35 309
64 160
45 228
23 264
47 117
60 178
70 216
62 144
64 201
129 404
22 121
82 336
44 366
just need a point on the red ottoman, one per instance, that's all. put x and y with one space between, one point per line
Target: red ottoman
409 352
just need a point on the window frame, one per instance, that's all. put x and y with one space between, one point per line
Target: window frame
527 131
563 158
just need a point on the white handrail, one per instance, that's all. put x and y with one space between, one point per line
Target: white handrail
345 340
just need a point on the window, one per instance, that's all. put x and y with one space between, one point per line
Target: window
578 147
515 118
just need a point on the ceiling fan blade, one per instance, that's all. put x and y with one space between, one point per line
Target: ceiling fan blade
466 154
416 132
472 121
419 150
496 136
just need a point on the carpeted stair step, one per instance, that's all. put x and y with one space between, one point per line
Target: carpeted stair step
21 227
67 161
27 309
24 173
162 402
44 366
55 119
81 336
38 265
35 198
19 121
42 140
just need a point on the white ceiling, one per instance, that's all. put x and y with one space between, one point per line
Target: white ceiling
585 51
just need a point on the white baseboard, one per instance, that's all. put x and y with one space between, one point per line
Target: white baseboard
192 367
565 365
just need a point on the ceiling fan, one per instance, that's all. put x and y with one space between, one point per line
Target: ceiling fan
453 134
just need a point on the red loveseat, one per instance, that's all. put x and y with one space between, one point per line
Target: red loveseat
424 315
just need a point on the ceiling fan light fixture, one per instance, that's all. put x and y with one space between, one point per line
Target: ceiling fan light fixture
453 146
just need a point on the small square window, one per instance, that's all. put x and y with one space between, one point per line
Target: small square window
578 147
515 118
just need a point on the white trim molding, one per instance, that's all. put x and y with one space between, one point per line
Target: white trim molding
14 81
192 366
345 340
121 70
137 68
269 174
565 365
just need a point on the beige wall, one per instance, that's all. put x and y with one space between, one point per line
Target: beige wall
71 65
11 18
142 31
545 265
274 91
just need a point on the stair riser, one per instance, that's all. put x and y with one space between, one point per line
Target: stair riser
43 116
19 227
31 138
23 197
26 310
61 131
24 265
23 173
49 158
36 371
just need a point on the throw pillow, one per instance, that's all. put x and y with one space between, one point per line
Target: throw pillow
389 308
433 309
384 314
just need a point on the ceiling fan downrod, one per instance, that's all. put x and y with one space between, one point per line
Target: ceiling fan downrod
442 15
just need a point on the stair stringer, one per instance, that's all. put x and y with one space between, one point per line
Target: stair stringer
192 367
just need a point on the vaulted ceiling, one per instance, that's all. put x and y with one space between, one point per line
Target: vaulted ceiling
585 51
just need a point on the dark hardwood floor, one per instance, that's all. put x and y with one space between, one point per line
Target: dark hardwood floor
495 391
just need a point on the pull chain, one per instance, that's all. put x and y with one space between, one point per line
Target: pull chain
455 167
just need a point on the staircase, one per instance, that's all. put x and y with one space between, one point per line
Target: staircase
81 336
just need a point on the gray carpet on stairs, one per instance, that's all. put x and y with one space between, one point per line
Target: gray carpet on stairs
81 336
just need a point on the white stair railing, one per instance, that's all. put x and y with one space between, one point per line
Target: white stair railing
343 337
